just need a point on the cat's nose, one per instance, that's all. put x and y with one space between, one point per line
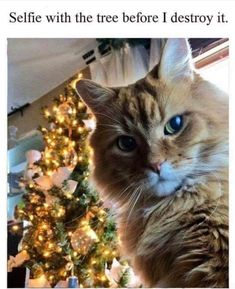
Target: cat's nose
156 167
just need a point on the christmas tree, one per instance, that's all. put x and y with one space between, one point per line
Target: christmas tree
68 231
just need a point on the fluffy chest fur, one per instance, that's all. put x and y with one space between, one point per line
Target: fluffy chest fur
182 241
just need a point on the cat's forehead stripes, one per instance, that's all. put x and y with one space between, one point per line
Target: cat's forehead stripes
139 103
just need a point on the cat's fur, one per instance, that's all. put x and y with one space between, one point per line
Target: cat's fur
175 231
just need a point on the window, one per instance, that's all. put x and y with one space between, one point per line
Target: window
214 65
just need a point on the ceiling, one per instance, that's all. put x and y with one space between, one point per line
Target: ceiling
36 66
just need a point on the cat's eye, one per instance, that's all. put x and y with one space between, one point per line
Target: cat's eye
174 125
126 143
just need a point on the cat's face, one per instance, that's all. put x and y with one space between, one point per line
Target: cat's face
164 131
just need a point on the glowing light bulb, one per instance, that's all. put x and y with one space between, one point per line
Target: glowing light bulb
81 105
84 222
15 228
60 130
40 238
80 129
44 226
55 108
46 254
47 155
61 119
50 245
59 250
103 278
47 113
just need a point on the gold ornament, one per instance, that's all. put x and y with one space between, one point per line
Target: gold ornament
83 238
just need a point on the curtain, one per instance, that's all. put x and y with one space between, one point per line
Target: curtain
126 65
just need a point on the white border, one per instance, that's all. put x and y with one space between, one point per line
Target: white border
113 30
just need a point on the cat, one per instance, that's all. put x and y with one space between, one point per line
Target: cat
161 155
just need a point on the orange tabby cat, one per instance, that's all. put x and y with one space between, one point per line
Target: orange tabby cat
161 154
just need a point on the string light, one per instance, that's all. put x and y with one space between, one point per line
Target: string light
65 147
40 238
47 113
47 154
47 265
15 228
80 129
59 250
49 173
50 245
81 105
45 226
60 130
61 119
55 108
46 254
103 278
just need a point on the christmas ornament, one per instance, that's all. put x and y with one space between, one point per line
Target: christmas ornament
60 176
89 123
18 260
44 182
64 112
73 282
133 280
62 284
116 272
83 238
31 171
50 199
33 156
71 186
40 282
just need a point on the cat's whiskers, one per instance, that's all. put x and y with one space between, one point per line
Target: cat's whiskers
134 199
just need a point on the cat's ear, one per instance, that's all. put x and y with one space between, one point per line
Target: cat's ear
176 60
94 95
